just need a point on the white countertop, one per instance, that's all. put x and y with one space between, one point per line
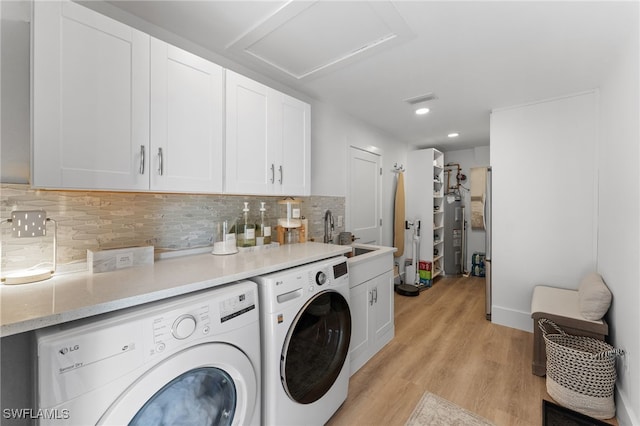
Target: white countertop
68 297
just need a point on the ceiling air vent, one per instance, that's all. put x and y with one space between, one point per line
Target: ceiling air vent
422 98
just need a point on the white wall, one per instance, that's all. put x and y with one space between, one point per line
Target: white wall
468 158
619 220
543 158
332 133
328 151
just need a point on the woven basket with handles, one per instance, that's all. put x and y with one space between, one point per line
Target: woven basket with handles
581 371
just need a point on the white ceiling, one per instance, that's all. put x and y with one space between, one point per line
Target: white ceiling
366 58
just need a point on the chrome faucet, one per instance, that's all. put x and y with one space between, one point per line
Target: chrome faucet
328 227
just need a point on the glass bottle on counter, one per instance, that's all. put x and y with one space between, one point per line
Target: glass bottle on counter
246 229
263 229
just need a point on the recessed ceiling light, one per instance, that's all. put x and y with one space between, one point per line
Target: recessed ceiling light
419 102
453 135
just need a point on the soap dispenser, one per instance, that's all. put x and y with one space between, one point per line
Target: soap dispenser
246 229
263 229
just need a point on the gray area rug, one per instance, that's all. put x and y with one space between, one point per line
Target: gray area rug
436 411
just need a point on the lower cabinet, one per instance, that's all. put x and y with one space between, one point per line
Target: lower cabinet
371 303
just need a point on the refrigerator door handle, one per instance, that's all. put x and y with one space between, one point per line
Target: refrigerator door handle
484 211
487 301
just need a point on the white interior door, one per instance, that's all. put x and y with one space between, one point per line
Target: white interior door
363 199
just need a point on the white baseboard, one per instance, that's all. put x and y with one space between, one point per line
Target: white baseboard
624 411
512 318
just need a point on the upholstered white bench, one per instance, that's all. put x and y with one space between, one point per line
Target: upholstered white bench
579 312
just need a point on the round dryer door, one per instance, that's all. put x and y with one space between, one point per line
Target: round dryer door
191 389
316 347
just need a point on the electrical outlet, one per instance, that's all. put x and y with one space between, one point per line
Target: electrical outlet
339 220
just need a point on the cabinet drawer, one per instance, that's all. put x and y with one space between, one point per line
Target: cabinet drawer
362 270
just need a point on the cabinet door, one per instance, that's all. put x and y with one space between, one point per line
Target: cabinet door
360 300
290 144
383 321
247 168
186 121
90 100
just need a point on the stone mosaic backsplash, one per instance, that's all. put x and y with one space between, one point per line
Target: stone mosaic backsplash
105 220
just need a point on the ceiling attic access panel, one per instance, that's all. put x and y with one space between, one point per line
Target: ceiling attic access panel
308 39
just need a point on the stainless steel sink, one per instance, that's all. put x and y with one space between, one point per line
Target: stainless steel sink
357 251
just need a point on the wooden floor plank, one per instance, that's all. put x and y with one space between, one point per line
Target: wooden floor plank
444 345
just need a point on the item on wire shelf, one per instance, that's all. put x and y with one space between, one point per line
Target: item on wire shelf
477 264
424 271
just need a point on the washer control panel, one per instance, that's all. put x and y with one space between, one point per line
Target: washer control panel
233 307
183 326
321 278
327 275
289 286
176 327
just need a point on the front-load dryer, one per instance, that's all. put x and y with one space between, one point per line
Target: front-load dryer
306 330
188 360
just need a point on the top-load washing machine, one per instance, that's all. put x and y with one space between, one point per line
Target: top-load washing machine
189 360
306 330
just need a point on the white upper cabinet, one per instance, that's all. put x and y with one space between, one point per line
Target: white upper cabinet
117 110
247 167
267 140
91 100
114 109
186 121
289 143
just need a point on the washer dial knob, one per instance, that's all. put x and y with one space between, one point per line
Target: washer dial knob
321 278
183 326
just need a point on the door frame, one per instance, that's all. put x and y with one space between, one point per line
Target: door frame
379 153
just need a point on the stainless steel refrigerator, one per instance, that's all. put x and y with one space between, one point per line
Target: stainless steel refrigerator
487 260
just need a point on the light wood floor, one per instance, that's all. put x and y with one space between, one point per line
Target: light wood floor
444 345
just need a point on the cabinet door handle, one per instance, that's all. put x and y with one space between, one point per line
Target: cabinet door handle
375 295
280 169
160 166
273 173
141 159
